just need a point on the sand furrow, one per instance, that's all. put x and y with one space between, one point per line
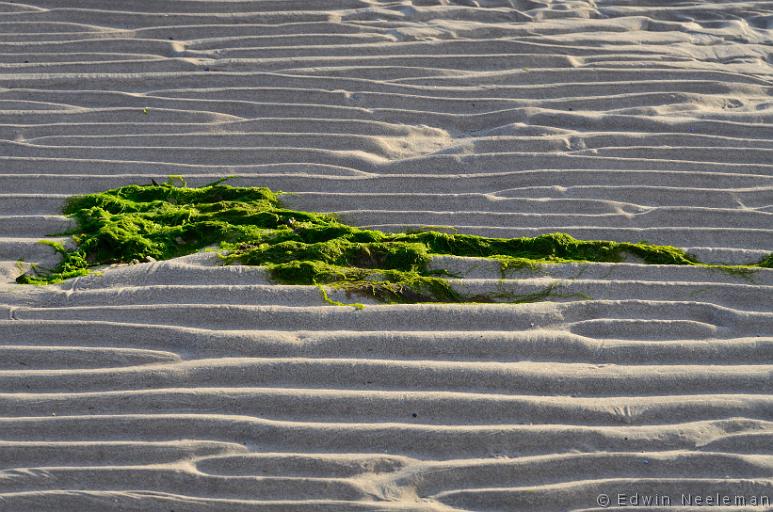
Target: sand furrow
721 321
374 405
572 379
416 440
537 345
747 296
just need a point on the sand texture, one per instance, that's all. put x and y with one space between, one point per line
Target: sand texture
189 386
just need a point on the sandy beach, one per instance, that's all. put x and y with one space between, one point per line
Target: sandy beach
187 385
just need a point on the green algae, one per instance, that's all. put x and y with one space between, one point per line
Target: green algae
161 221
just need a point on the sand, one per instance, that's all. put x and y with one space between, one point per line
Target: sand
185 385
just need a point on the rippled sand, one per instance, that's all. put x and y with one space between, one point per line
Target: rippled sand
188 386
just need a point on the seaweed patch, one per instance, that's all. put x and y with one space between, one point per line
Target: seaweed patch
161 221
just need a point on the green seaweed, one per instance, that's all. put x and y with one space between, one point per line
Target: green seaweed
162 221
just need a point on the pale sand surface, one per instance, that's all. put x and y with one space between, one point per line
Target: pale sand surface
189 386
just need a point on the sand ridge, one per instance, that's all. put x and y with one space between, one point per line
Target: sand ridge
190 386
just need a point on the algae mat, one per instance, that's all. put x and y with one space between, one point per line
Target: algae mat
159 222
